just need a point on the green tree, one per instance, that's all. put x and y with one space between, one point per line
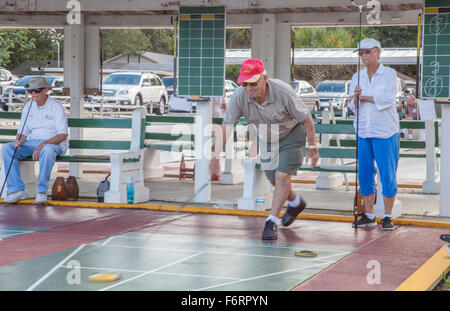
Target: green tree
159 40
232 72
121 41
238 38
323 37
19 45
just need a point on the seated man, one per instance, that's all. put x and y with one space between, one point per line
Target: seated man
44 136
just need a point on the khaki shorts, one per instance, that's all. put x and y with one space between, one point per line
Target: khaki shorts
290 153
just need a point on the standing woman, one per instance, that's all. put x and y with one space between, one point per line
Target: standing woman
378 131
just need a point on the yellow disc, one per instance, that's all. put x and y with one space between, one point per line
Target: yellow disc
104 277
305 254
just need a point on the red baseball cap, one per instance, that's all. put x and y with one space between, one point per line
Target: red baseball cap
251 70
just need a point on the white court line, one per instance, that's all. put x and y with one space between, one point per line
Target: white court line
42 279
151 271
10 234
225 253
163 273
262 276
231 243
24 231
108 240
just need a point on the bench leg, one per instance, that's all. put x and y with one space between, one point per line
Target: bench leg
27 173
152 164
328 180
124 165
233 172
256 186
431 185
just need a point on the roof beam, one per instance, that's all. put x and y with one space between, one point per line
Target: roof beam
389 18
142 5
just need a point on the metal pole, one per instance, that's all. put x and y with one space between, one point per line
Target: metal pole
419 36
59 60
292 55
175 34
355 209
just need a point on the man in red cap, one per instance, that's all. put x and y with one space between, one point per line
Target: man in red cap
284 125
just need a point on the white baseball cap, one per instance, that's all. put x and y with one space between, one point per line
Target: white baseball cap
368 43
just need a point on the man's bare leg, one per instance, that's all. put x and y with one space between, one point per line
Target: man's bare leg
282 192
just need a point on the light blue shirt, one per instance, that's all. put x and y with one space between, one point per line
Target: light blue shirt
379 120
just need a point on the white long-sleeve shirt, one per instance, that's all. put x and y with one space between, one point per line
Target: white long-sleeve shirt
379 120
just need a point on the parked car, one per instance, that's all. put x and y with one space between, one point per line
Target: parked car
180 104
229 87
307 93
6 78
140 89
168 83
334 90
18 88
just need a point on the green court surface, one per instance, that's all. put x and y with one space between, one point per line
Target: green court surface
163 262
11 231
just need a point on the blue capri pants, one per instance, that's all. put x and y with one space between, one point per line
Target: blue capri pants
385 152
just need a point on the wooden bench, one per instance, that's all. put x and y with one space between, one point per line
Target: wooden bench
127 162
181 138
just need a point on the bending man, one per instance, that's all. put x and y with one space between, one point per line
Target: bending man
284 125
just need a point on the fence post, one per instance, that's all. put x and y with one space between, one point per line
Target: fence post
431 183
327 180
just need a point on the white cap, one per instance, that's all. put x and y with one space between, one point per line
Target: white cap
368 43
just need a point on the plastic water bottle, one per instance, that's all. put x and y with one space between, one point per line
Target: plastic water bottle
260 203
130 190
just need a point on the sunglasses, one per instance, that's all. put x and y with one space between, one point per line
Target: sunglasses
36 90
253 84
365 52
245 84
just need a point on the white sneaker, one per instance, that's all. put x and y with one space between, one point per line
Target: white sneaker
15 196
41 197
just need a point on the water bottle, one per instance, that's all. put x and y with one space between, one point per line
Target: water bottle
260 203
130 190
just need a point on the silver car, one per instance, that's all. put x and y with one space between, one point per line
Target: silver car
308 94
334 91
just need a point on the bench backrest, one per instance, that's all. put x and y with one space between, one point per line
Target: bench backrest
81 123
188 120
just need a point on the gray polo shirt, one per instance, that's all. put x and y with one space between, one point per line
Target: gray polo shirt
282 111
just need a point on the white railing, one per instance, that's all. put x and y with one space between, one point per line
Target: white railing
94 106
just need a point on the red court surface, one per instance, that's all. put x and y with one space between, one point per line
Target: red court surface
205 251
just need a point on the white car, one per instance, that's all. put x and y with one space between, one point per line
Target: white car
181 104
307 93
229 87
131 88
334 91
6 78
